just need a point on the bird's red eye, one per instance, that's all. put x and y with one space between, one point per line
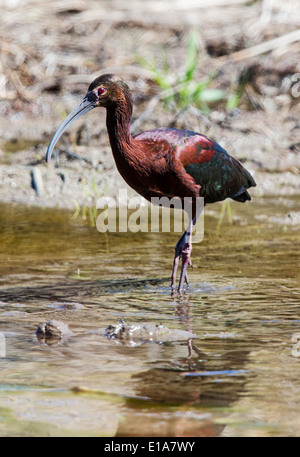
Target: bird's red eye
100 91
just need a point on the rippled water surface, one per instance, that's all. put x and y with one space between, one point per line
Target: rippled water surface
240 376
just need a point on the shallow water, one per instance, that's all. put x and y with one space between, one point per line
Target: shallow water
239 377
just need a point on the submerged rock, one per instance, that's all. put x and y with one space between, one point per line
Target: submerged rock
52 332
143 332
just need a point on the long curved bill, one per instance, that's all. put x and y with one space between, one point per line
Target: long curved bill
86 105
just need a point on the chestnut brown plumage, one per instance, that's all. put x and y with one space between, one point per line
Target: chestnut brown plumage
163 162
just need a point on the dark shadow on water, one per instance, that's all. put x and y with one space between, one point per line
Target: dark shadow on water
86 290
73 290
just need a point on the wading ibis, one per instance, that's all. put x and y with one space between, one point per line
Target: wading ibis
163 162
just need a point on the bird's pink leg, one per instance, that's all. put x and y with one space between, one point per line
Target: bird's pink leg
183 250
185 260
178 249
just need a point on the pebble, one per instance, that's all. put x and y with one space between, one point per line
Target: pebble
52 332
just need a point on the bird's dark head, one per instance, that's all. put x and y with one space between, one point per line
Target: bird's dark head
106 91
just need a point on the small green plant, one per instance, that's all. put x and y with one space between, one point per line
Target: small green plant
234 98
181 89
87 210
79 275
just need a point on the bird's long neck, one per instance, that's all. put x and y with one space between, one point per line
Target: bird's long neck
128 153
118 126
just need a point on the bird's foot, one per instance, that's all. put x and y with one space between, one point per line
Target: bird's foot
182 251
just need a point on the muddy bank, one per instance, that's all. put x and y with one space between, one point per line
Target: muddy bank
51 53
